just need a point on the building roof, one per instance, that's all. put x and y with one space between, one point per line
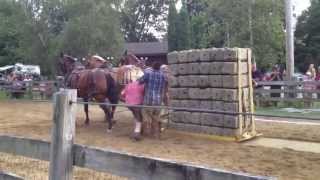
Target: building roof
147 48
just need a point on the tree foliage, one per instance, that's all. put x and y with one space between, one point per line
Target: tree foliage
140 19
308 37
257 24
36 31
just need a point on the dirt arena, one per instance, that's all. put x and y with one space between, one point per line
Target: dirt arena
34 120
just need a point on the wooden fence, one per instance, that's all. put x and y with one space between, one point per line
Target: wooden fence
33 89
64 154
287 91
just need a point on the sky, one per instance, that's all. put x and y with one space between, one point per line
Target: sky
301 5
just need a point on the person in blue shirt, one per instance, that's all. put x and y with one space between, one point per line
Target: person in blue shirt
155 84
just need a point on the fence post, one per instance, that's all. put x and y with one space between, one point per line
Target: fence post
63 131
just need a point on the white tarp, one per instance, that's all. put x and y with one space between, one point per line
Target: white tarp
29 69
21 68
4 68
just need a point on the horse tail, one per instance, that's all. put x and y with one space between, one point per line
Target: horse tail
112 89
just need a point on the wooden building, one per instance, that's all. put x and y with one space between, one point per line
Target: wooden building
149 51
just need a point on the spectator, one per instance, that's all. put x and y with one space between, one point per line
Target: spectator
155 84
318 74
256 74
133 95
312 72
275 76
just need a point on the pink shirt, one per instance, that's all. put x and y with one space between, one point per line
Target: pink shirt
133 93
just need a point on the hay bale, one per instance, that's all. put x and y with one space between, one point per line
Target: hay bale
205 55
175 103
173 58
204 68
229 68
183 69
215 81
195 104
193 81
173 81
183 80
205 94
203 81
174 69
176 116
186 117
231 106
194 93
183 57
183 103
193 56
216 94
195 118
215 68
194 68
211 119
230 132
229 95
231 121
174 93
205 105
232 81
212 130
230 54
217 54
183 93
217 105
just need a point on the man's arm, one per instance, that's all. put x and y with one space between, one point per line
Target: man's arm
143 79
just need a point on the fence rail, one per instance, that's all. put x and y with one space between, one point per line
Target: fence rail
287 91
120 163
63 154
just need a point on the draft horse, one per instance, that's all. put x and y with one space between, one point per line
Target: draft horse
96 84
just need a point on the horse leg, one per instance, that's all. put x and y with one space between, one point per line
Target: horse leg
107 116
86 110
137 113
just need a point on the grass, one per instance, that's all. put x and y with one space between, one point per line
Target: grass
275 111
3 95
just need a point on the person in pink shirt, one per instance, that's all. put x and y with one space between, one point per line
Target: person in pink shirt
133 94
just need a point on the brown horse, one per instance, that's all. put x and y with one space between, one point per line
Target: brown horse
94 84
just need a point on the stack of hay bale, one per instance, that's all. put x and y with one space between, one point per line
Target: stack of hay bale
212 79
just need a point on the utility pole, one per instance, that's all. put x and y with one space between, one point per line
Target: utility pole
289 39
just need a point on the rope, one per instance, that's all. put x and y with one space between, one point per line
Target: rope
198 110
172 108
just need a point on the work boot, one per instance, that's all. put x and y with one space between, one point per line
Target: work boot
155 126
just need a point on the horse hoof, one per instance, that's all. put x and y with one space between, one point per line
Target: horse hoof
109 131
136 137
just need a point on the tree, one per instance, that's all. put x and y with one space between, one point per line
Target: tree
172 29
183 29
308 37
10 20
92 27
140 19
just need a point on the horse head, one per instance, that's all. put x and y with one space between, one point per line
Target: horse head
66 64
131 59
96 62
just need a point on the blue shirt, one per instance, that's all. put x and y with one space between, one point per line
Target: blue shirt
155 83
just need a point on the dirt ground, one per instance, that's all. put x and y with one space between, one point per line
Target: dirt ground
34 120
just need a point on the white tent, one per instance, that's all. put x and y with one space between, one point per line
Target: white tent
4 68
